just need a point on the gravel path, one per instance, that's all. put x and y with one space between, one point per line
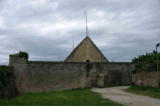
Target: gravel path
118 95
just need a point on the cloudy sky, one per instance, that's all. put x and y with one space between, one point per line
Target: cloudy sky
46 29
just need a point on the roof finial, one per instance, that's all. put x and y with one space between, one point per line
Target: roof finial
87 33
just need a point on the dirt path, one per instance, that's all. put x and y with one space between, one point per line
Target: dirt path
118 95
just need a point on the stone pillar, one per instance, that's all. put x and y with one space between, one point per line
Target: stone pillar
100 81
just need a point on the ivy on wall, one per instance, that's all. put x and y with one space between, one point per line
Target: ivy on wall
6 82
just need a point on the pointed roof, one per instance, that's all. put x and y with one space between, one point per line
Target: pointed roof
86 50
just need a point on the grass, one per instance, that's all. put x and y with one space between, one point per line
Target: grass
83 97
146 91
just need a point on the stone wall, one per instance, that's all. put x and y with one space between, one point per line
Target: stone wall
118 73
34 76
47 76
149 78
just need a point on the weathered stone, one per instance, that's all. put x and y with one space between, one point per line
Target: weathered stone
48 76
149 78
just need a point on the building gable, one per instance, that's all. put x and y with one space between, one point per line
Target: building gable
86 50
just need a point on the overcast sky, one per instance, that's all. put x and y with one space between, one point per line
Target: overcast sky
46 29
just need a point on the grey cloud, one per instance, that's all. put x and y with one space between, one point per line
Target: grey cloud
131 28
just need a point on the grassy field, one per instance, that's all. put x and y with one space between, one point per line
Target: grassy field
83 97
147 91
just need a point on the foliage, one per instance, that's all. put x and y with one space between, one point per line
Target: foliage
23 54
146 62
5 75
147 91
78 97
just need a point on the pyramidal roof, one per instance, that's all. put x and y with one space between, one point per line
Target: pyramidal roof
86 50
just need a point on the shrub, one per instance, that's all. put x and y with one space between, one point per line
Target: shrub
146 62
23 54
5 78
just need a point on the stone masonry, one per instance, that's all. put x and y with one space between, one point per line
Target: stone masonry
38 76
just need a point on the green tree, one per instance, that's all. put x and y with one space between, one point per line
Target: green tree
146 62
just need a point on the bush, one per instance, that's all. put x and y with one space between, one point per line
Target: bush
146 62
23 54
6 79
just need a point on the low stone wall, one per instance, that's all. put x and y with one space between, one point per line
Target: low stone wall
149 78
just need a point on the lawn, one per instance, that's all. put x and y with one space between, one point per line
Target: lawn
146 91
83 97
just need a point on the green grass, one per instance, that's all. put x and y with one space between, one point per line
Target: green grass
146 91
83 97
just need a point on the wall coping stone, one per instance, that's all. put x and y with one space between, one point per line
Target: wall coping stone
62 62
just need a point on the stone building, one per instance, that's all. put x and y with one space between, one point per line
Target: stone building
86 51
